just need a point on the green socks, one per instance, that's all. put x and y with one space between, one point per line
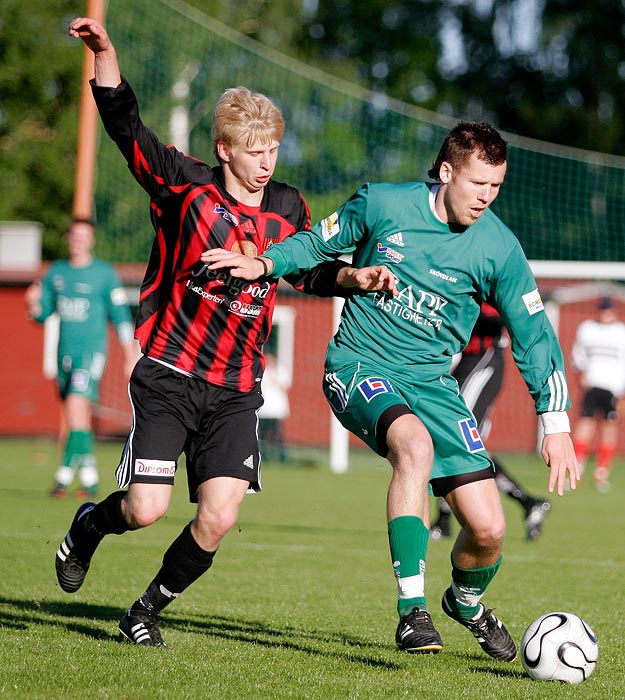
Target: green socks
79 443
408 539
468 587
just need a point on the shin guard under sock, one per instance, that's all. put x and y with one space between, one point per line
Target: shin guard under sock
183 563
107 518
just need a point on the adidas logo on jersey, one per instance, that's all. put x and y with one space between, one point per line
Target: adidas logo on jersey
396 239
249 462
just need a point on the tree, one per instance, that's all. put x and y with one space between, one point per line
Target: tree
552 70
39 94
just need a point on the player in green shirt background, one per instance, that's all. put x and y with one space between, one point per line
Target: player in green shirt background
388 367
86 293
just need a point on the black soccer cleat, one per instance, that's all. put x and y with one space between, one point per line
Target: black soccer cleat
140 626
416 633
73 556
535 517
490 632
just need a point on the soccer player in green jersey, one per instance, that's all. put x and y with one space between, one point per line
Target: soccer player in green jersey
387 374
86 293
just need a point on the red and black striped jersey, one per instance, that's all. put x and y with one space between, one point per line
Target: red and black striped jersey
203 321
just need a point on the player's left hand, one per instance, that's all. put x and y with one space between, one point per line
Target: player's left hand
377 278
559 455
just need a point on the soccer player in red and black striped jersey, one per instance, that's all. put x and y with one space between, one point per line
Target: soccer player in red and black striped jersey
197 387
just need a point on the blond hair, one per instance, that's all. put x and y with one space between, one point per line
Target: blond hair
242 116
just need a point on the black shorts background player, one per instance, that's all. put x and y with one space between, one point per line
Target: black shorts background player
480 373
598 359
197 387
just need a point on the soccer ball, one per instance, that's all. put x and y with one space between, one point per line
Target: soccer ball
559 646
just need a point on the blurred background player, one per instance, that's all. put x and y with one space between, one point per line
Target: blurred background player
86 293
480 373
598 358
276 409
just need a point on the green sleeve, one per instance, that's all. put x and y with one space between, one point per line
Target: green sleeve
48 298
534 344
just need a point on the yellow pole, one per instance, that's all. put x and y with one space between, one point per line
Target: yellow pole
87 129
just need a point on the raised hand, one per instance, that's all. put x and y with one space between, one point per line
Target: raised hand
91 32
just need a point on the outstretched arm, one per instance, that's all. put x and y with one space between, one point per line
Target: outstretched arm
368 279
97 40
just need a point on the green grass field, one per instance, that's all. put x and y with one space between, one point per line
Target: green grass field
300 602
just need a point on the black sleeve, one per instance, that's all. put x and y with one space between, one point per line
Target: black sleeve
321 280
160 169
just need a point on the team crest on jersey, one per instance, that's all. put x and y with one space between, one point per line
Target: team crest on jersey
396 239
389 253
373 386
470 435
245 248
228 216
330 226
533 302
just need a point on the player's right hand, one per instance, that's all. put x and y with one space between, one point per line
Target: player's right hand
91 32
238 265
33 293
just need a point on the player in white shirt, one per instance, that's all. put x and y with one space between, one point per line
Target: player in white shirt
598 356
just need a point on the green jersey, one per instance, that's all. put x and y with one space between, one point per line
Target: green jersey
443 273
86 299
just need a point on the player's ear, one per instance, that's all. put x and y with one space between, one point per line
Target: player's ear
224 153
445 172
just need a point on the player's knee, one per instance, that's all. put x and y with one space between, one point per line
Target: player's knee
216 524
413 455
144 513
489 533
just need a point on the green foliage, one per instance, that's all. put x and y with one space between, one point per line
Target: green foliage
563 84
300 602
39 95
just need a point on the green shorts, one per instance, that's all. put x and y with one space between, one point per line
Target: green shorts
359 395
81 374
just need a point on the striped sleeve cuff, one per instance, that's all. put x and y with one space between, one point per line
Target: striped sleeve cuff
558 391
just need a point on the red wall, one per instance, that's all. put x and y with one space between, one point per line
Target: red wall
29 405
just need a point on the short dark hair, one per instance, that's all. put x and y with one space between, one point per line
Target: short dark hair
467 138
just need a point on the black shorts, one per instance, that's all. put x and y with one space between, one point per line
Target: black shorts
600 403
216 428
444 485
